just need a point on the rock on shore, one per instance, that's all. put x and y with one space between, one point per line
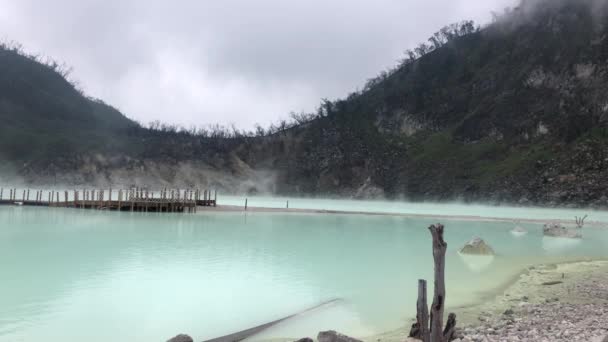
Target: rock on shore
332 336
557 230
477 247
181 338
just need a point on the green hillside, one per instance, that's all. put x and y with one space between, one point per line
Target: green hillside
516 111
44 116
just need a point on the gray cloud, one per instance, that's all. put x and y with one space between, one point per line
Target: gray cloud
233 61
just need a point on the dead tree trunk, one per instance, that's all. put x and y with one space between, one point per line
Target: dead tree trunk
450 328
435 331
439 248
423 311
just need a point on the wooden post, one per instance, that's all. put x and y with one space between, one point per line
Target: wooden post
215 200
1 191
245 203
422 314
28 195
23 196
439 248
287 204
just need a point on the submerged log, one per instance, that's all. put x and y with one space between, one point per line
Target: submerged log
243 334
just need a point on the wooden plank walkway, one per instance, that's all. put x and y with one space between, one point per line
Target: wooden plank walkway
166 201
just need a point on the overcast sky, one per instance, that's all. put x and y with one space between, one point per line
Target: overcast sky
227 61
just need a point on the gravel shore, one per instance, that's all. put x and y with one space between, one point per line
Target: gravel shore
566 302
558 302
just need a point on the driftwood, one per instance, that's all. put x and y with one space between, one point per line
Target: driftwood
243 334
580 221
434 332
549 283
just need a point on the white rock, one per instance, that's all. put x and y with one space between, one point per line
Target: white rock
519 231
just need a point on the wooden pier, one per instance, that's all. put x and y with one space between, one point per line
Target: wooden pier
141 200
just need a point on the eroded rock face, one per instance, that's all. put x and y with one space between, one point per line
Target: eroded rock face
477 247
332 336
557 230
181 338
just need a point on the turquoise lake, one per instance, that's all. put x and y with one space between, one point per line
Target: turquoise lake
71 275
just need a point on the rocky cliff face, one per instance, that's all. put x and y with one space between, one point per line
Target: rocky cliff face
516 112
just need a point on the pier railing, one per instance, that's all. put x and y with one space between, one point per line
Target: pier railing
136 199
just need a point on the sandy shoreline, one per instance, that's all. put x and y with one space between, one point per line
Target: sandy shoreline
235 208
551 302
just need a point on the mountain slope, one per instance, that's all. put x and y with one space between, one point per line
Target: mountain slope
43 115
516 112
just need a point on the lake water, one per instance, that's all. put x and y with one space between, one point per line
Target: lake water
71 275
